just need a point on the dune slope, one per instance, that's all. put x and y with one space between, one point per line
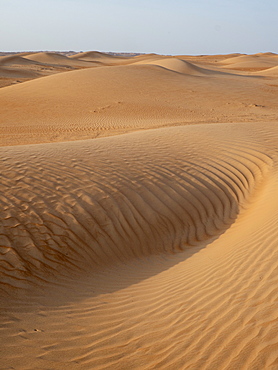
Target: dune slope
90 232
111 100
56 59
178 65
251 62
138 212
15 60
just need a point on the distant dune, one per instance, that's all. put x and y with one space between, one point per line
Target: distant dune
17 73
271 71
92 55
268 54
56 59
178 65
22 67
138 211
251 62
101 58
11 60
102 101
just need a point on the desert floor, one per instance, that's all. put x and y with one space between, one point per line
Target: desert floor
138 211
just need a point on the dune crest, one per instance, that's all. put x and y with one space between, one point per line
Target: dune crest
17 73
102 101
56 59
138 211
93 55
177 65
161 206
273 71
250 62
11 60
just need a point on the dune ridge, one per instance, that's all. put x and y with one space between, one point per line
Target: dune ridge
154 208
100 58
270 71
10 72
13 59
251 62
127 217
93 55
178 65
102 101
56 59
138 212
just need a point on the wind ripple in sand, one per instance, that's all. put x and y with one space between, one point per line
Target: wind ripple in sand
71 213
86 204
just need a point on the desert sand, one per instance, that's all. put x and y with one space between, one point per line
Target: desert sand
138 218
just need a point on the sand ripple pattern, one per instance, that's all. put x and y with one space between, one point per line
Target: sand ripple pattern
90 274
82 205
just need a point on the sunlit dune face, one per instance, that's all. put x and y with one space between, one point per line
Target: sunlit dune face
138 211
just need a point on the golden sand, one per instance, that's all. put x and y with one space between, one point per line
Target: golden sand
138 213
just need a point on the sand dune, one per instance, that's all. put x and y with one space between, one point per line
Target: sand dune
99 102
177 65
11 60
17 73
216 58
270 71
251 62
268 54
100 58
22 67
246 59
80 220
138 213
147 196
93 55
57 59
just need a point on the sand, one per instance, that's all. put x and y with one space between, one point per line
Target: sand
138 214
22 67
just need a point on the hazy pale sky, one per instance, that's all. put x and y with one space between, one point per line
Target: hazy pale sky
159 26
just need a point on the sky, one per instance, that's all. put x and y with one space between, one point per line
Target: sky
169 27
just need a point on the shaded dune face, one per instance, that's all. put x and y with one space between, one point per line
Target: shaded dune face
81 205
55 59
155 249
271 71
180 66
17 73
11 60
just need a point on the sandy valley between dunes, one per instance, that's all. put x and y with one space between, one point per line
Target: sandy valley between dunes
138 211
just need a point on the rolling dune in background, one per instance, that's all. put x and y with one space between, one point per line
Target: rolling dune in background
138 218
104 101
57 59
251 62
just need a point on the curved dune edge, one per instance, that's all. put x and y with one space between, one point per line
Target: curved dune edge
110 200
16 60
176 65
250 63
56 59
270 71
180 66
252 59
10 72
207 192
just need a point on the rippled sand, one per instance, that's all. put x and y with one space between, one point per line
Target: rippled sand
138 218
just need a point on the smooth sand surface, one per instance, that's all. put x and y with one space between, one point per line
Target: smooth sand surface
57 59
251 62
22 67
138 218
102 101
270 71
